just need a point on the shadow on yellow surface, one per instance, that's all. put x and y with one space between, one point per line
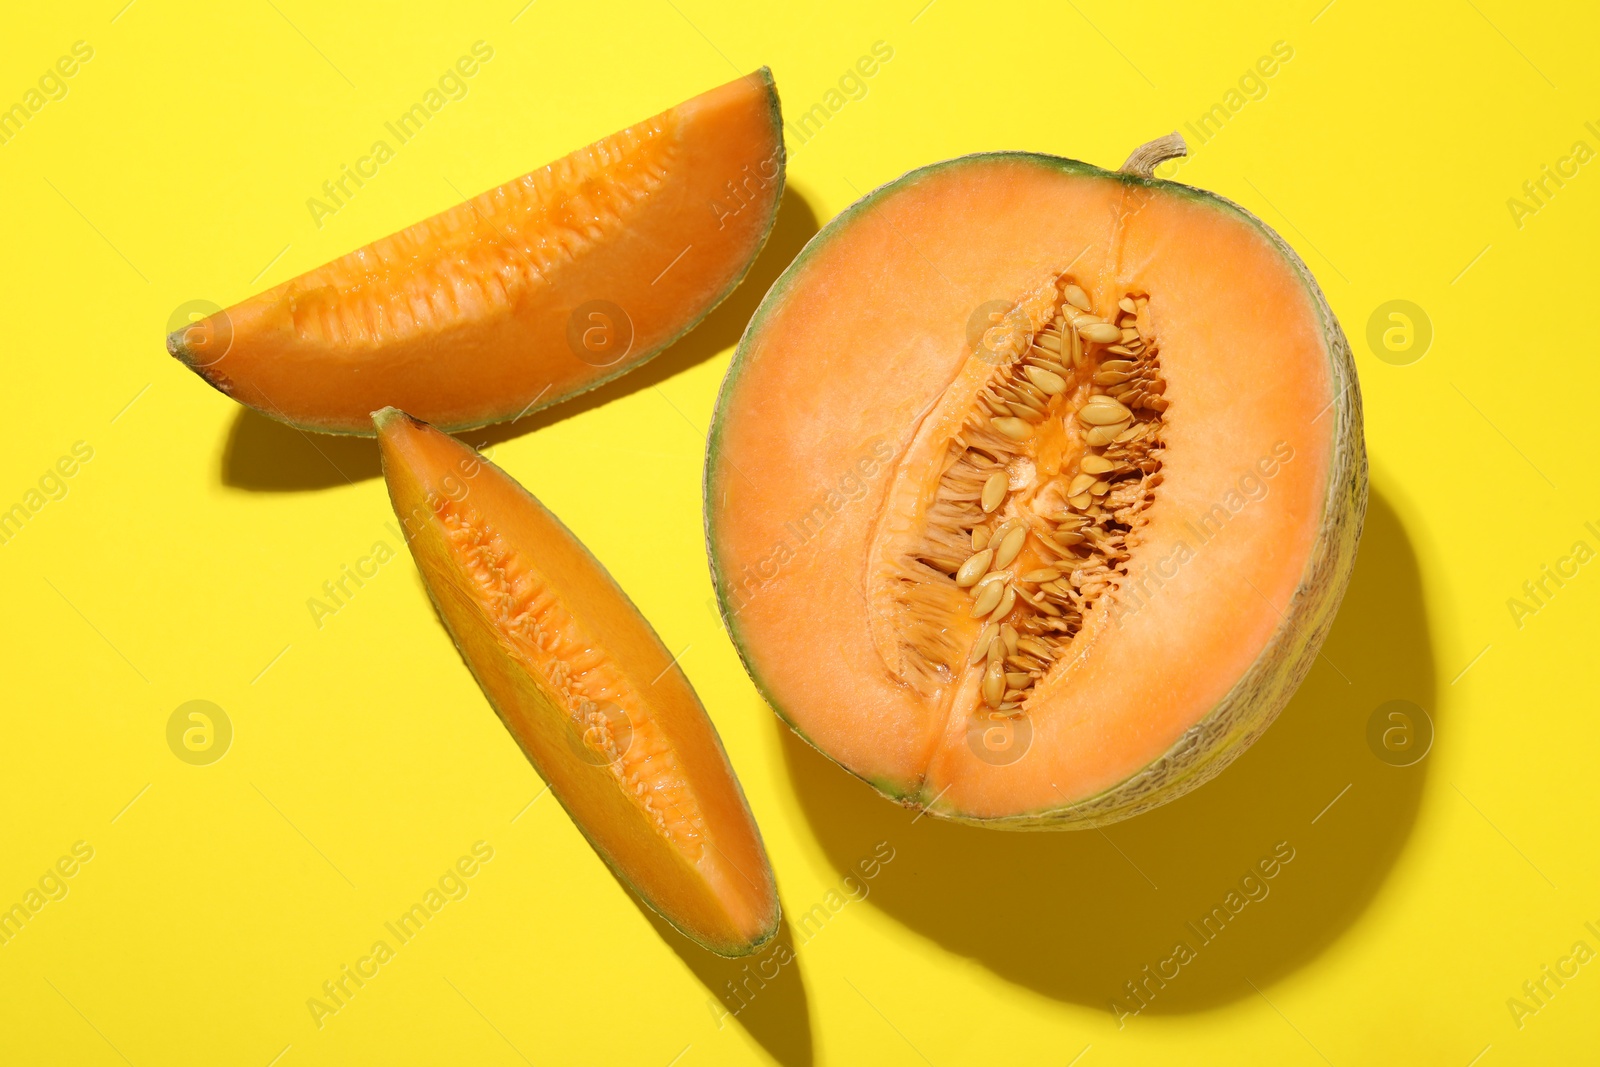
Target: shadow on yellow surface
264 455
1079 916
773 1011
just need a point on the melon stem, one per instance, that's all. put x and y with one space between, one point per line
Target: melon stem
1143 161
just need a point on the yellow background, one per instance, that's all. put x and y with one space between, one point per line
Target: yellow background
364 761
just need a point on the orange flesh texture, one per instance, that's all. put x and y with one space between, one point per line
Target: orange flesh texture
463 319
859 345
552 640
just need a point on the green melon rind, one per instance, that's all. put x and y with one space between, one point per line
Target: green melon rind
1262 691
178 350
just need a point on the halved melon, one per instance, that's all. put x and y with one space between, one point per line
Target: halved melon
543 287
585 686
1033 487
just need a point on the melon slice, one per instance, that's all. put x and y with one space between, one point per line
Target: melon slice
1033 487
543 287
585 686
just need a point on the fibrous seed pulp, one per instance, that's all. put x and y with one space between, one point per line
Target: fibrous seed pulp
1043 494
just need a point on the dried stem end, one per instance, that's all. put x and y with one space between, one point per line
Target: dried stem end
1144 160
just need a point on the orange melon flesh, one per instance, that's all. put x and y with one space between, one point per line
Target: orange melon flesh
585 687
524 295
840 398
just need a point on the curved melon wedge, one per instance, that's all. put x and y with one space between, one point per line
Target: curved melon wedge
543 287
1033 487
585 687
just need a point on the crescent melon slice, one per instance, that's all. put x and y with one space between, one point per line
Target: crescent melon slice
586 688
539 289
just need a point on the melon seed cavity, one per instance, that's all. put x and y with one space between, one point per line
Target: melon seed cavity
1045 490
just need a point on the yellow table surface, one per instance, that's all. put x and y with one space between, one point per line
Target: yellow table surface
209 902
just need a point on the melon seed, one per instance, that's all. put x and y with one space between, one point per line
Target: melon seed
1075 296
988 599
974 568
1008 600
994 491
1100 436
1016 429
986 580
1103 411
1047 381
1099 332
1102 399
981 648
1010 545
994 685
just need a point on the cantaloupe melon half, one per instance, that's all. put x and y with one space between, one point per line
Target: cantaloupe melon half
584 685
1033 487
543 287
